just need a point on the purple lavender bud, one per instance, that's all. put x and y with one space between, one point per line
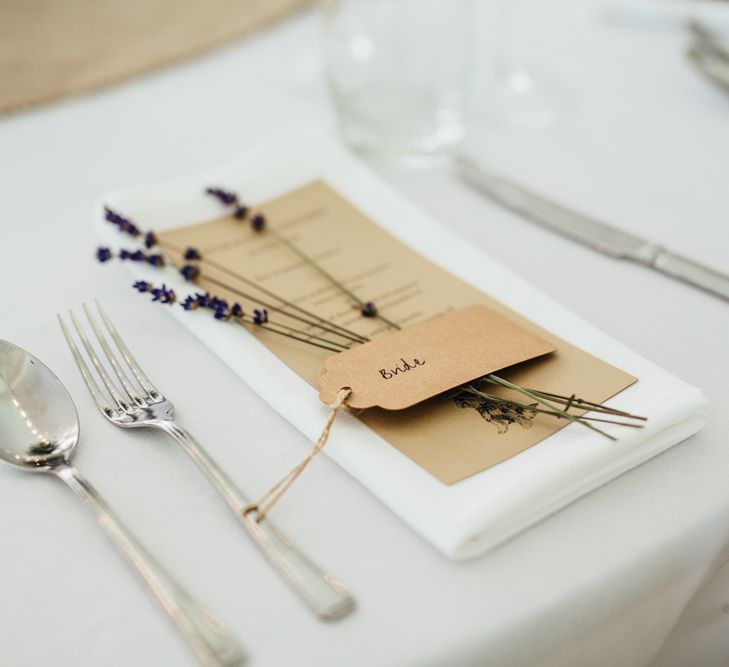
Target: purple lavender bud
163 294
142 286
150 239
223 196
137 256
124 254
260 316
103 254
369 310
124 225
190 303
189 272
221 313
192 254
240 211
215 303
203 299
258 222
236 310
156 260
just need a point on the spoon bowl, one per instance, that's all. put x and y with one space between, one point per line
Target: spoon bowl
39 425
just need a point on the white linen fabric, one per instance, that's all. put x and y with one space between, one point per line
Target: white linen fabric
469 517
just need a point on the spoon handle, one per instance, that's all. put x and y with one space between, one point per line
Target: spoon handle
328 598
208 638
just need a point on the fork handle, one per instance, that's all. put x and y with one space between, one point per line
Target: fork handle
326 596
206 635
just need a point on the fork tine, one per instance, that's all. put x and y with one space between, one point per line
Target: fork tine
107 381
128 357
91 384
132 392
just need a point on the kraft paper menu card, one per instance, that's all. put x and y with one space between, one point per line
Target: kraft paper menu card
450 442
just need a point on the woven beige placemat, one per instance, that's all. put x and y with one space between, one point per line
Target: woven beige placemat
54 48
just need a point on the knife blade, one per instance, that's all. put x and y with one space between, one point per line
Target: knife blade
588 231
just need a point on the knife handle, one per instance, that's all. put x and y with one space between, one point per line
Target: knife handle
691 272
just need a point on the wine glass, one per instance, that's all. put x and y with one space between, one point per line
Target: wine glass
517 95
400 73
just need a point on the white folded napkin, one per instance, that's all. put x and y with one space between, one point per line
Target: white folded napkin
668 14
471 516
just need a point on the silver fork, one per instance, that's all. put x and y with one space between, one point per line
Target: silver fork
138 403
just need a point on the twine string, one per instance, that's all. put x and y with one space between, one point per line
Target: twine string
266 502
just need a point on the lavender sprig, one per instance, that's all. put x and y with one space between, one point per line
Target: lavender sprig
221 310
125 225
162 294
551 411
155 259
225 197
219 307
258 221
285 307
104 254
542 401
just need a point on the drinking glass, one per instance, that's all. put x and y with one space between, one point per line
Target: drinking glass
400 73
518 95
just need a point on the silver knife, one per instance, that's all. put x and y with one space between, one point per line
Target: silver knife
584 229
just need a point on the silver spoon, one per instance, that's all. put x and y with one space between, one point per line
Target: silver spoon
39 429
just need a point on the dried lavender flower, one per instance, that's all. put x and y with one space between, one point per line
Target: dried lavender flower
190 272
240 211
369 309
260 316
163 294
154 259
192 254
258 222
190 303
142 286
223 196
124 224
216 303
103 254
150 239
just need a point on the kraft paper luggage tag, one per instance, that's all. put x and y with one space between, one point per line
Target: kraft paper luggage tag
401 369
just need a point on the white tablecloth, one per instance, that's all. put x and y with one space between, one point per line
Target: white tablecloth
608 581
